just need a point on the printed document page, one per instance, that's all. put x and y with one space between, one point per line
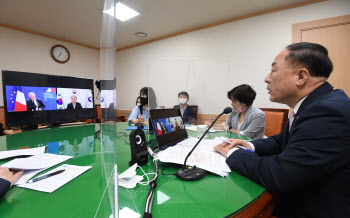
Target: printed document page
21 152
194 128
205 159
36 162
205 144
52 183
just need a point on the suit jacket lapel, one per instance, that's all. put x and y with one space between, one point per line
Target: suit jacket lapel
322 89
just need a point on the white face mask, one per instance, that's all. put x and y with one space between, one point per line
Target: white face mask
182 100
129 179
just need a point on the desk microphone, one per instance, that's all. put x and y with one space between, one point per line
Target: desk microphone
189 173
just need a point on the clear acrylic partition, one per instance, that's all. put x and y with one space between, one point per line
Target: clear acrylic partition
108 144
206 82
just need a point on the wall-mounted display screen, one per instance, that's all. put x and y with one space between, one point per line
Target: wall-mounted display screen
31 98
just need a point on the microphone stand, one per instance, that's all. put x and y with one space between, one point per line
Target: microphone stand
189 173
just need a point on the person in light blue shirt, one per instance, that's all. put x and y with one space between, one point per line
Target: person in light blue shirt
148 101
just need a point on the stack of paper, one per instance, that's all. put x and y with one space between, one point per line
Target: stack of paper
194 128
35 164
204 156
21 152
205 144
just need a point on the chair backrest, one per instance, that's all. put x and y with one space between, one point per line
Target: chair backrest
98 113
195 108
2 116
275 120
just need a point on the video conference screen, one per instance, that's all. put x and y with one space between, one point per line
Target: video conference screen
31 98
168 126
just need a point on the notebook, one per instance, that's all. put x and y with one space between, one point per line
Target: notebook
168 125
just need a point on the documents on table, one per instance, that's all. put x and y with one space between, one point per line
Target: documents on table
41 161
52 183
194 128
203 156
206 144
21 152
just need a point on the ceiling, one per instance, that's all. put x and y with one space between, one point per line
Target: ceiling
80 20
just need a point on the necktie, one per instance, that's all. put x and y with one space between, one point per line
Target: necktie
291 118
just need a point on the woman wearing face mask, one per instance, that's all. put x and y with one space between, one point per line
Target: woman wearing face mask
187 111
138 102
245 119
148 101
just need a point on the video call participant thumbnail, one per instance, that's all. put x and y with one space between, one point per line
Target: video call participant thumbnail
33 103
74 104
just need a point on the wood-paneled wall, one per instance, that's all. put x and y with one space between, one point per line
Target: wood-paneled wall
201 118
2 117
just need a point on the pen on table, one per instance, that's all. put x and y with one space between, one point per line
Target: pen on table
239 146
45 176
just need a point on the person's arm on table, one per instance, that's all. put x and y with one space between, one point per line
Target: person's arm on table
142 120
7 179
215 126
134 118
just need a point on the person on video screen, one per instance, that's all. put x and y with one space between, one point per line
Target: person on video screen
33 103
164 128
74 104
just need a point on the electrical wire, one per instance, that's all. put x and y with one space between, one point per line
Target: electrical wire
150 195
123 135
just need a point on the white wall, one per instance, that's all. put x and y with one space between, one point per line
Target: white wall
20 51
241 52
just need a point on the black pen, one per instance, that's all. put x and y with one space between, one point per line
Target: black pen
45 176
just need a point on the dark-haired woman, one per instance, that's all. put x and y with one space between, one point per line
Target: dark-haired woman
148 101
245 119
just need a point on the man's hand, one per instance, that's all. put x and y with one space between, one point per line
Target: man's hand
225 147
9 175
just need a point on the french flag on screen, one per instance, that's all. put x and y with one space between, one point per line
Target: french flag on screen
159 129
50 90
20 104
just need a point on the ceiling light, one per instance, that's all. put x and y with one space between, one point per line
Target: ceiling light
140 34
122 12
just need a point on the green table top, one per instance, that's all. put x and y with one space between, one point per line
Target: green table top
213 196
85 196
91 194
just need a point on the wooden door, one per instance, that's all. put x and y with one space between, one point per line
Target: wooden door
334 34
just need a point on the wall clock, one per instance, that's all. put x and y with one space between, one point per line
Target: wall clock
60 54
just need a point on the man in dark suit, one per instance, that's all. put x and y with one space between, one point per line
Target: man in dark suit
7 179
74 104
33 103
187 111
164 128
307 165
